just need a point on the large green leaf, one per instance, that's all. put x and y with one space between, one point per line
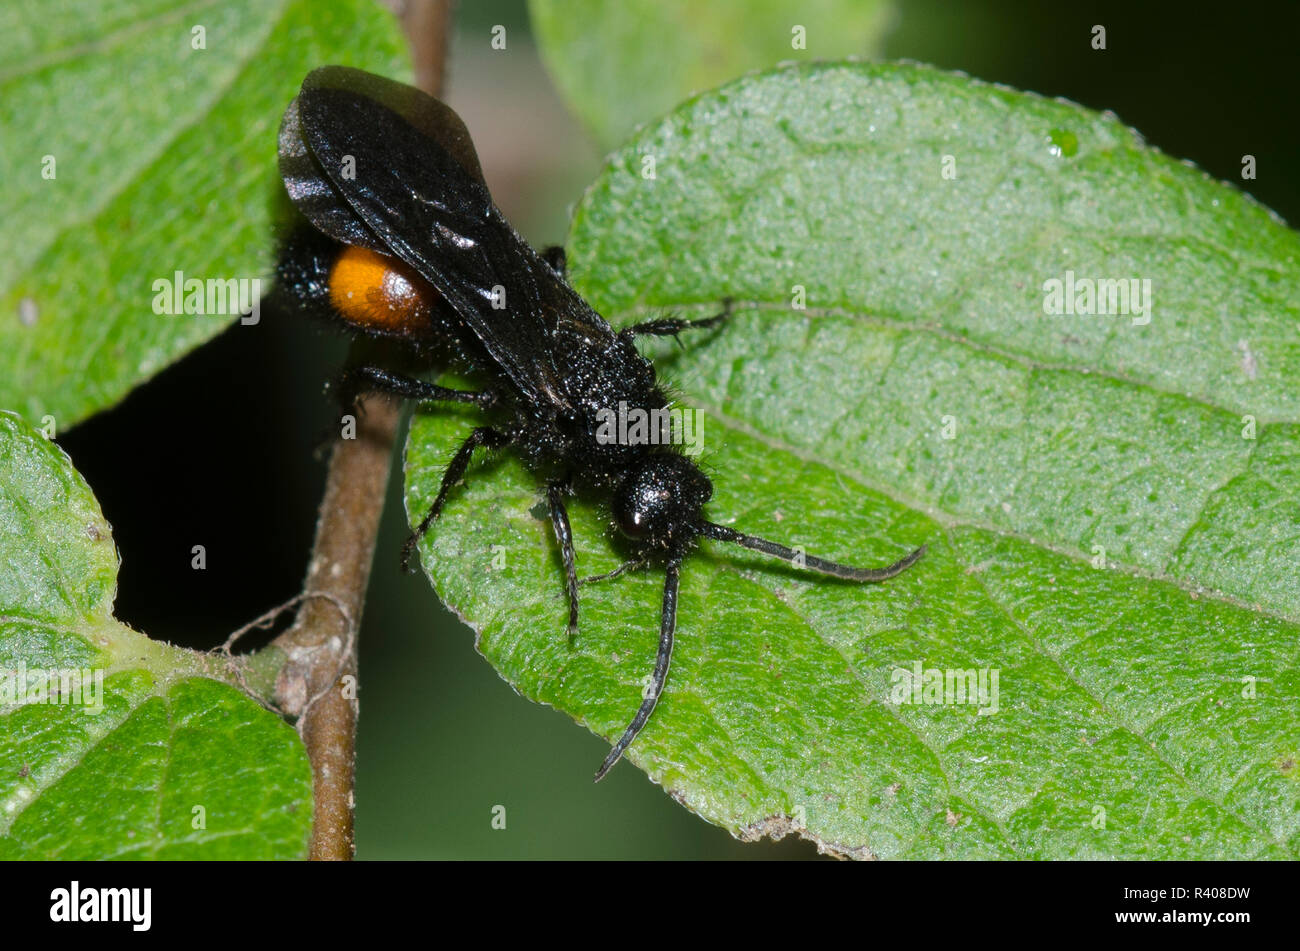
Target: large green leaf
1106 532
147 756
163 161
620 64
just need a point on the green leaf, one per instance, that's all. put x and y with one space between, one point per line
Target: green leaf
1101 534
163 160
620 64
113 745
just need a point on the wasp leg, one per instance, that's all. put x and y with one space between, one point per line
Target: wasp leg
631 565
672 326
564 535
667 625
365 379
482 436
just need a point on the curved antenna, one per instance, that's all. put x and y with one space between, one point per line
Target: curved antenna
667 624
754 543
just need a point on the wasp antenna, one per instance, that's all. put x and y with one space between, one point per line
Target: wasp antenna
667 624
724 534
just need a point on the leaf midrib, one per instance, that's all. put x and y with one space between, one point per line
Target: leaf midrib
948 520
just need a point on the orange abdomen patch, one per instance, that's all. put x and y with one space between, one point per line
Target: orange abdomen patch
380 294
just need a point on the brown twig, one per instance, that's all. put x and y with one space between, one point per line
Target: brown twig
318 682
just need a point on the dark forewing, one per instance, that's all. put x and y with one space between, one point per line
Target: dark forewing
312 193
404 165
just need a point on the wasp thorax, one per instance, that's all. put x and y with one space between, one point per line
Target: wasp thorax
660 499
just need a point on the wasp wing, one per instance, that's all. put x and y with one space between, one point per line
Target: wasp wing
405 180
313 192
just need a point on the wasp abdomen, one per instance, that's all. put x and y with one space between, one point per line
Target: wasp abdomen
380 295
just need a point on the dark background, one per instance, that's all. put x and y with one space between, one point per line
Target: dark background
218 450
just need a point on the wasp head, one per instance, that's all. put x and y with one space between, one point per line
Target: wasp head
659 501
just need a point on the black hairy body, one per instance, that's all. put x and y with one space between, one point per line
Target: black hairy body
406 245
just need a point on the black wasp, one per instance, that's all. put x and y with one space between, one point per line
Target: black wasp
408 246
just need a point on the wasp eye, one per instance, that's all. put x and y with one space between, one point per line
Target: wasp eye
638 510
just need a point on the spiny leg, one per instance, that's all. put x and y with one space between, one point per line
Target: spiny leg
482 436
367 379
564 535
667 625
349 386
630 565
724 534
672 326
